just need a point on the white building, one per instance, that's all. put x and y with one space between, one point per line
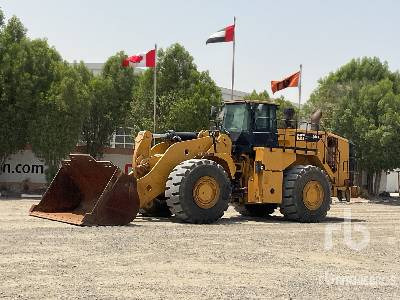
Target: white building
393 181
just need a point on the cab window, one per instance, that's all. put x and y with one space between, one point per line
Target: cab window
236 118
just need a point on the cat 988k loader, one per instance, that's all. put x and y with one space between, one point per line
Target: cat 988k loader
246 161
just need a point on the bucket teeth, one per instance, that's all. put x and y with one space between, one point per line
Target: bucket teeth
89 192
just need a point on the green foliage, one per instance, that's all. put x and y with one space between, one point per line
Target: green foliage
15 86
42 99
27 70
361 101
110 95
1 18
48 103
257 96
99 125
60 114
176 69
184 94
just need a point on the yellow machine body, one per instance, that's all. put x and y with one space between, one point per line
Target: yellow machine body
265 186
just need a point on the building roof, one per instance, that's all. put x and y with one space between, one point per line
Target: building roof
226 94
94 66
97 67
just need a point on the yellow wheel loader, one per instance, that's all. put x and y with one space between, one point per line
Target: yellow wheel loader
246 161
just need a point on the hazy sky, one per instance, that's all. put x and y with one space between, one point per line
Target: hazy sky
273 37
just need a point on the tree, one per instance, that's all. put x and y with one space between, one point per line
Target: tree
55 131
41 97
26 73
361 101
15 87
1 18
257 96
110 95
184 94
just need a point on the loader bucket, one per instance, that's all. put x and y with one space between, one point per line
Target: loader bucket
88 192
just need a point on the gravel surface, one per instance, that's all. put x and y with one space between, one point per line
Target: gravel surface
237 258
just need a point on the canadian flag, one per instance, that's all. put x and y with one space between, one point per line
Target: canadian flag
141 60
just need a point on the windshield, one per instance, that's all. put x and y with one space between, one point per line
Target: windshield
236 117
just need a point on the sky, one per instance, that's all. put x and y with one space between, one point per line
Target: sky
272 37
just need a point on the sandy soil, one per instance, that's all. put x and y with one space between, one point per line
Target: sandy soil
237 258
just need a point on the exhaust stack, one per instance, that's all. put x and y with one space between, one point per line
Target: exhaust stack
316 119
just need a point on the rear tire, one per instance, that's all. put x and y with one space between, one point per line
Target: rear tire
256 210
198 191
297 204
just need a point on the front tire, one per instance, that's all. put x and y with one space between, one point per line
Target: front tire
198 191
306 194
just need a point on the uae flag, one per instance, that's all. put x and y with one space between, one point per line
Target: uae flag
291 81
141 60
226 34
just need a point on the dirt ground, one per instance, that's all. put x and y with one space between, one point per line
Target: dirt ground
237 258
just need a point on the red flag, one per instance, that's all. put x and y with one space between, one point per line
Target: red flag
141 60
291 81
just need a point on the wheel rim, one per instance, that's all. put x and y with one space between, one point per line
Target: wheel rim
313 195
206 192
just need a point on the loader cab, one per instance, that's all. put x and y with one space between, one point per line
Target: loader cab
250 124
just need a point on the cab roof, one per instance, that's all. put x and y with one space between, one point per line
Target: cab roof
250 101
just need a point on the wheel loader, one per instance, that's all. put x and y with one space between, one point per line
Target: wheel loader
248 160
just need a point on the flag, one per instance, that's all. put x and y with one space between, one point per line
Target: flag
141 60
226 34
291 81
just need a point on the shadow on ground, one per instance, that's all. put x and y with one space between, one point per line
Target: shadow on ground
244 219
393 201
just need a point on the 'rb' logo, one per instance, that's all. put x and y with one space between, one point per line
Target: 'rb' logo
347 229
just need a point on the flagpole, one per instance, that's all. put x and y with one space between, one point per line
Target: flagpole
233 56
301 77
155 89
